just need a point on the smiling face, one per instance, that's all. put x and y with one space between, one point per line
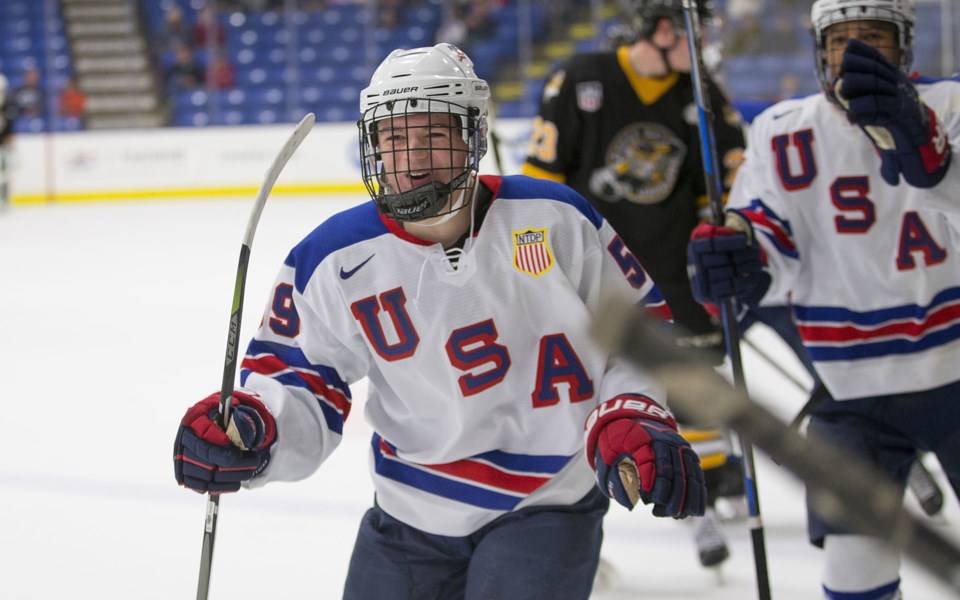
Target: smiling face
420 149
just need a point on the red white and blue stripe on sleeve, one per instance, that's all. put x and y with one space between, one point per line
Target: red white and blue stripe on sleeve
493 480
771 226
289 366
655 303
833 333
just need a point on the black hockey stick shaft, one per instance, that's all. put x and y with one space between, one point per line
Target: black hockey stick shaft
233 336
711 174
814 396
841 488
774 364
921 482
495 140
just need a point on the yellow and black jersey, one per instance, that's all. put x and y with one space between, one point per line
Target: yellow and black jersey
631 146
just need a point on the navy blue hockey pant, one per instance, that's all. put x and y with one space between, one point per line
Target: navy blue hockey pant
542 552
887 432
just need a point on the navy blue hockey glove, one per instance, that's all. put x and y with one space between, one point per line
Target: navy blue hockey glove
637 454
208 459
723 262
879 98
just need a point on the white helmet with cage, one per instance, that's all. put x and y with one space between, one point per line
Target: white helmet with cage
825 13
438 79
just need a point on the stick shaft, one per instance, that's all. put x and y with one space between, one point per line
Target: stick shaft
711 173
840 487
233 336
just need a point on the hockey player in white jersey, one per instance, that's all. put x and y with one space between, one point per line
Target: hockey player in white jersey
501 429
845 207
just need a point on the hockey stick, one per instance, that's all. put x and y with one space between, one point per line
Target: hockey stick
775 365
839 486
711 174
814 395
921 481
233 335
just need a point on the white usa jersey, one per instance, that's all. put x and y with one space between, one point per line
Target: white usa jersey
871 270
481 376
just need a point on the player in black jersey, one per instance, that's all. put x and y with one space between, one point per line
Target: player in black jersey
620 127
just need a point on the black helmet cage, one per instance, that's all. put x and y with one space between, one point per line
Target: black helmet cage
431 199
643 15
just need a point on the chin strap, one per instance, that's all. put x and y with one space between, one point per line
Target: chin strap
419 203
664 54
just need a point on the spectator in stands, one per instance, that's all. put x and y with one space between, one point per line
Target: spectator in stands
467 22
185 73
29 99
173 32
744 38
784 37
388 13
208 30
453 26
741 9
220 73
480 21
73 102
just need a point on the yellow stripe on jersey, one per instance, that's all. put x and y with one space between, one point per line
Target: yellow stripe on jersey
535 171
648 89
709 444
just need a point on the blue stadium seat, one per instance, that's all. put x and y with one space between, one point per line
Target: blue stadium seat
266 116
191 98
264 97
234 117
29 125
190 118
233 98
67 124
336 112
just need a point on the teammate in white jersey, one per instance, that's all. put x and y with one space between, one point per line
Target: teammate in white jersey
501 428
845 208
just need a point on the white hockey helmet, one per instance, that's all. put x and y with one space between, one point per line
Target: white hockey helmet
438 79
824 13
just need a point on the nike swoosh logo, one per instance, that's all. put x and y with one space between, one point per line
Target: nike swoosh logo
783 114
351 272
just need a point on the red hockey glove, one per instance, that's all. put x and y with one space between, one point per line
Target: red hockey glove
879 98
209 459
637 454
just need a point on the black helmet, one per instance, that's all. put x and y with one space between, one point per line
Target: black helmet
643 15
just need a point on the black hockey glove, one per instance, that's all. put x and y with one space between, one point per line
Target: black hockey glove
725 262
880 98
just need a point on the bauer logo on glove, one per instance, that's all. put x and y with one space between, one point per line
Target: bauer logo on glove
638 455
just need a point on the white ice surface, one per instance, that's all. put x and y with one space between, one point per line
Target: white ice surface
113 319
